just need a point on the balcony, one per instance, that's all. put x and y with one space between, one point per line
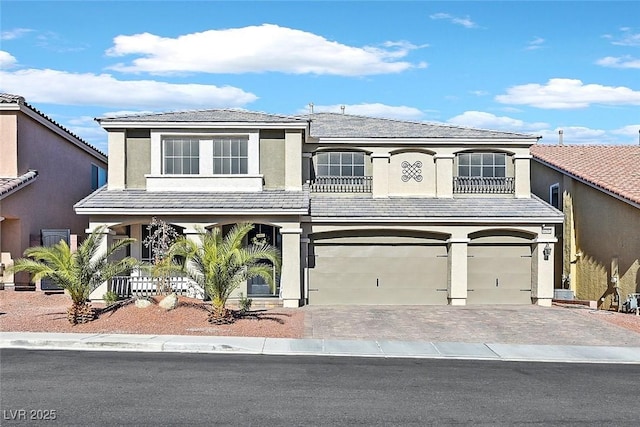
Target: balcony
341 184
483 185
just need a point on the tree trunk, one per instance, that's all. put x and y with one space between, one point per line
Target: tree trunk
81 313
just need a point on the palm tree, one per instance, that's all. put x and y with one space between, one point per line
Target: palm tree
79 272
219 264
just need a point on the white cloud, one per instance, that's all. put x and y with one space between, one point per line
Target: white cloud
257 49
465 22
627 38
483 120
535 44
399 112
619 62
59 87
16 33
7 60
632 132
567 94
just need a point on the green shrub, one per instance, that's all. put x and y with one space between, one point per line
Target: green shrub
244 303
110 298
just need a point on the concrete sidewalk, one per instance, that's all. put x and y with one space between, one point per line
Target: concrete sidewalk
320 347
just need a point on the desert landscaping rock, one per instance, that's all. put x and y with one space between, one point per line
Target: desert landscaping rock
169 302
143 303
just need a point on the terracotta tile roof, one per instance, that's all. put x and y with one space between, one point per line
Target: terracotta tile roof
613 168
8 185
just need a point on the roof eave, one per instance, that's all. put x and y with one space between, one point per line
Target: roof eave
613 194
129 124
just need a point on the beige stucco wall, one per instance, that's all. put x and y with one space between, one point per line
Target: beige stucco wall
138 161
606 229
64 178
424 185
438 168
598 230
272 159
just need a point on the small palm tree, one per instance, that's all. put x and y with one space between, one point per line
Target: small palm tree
220 264
79 272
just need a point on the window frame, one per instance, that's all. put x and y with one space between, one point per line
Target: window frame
182 157
238 159
205 139
478 160
338 161
554 188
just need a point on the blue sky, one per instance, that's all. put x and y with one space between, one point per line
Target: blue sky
533 67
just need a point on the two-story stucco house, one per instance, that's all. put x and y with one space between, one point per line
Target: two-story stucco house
44 170
364 210
598 189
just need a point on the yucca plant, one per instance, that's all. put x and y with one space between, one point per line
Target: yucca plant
219 264
79 272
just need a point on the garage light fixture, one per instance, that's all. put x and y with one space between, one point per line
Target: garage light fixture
546 252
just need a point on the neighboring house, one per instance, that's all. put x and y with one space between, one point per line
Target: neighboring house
44 170
598 188
364 210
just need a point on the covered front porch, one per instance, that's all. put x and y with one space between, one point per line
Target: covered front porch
283 235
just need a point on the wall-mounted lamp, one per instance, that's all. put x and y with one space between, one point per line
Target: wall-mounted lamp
546 252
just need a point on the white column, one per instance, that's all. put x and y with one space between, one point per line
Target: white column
380 167
290 275
542 271
108 234
457 283
522 175
444 175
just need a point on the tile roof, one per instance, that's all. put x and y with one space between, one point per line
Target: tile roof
232 202
9 185
613 168
335 125
459 208
222 115
7 98
326 125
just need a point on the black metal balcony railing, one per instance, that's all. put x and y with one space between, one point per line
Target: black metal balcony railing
483 185
341 184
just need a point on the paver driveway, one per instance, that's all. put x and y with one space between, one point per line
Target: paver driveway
525 324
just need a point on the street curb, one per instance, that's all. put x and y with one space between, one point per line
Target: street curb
319 347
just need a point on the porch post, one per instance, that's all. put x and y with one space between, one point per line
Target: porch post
97 294
290 289
444 175
542 271
457 283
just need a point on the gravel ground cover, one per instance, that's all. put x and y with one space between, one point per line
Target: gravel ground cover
37 312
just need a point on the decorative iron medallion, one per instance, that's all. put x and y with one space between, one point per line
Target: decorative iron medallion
411 171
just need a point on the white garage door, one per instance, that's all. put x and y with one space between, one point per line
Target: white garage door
499 274
378 274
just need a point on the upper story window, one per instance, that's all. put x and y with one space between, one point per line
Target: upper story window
554 195
181 156
98 176
340 164
230 155
486 165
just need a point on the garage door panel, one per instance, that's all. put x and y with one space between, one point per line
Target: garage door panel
499 274
378 274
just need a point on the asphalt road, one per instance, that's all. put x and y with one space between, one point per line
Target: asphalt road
126 388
